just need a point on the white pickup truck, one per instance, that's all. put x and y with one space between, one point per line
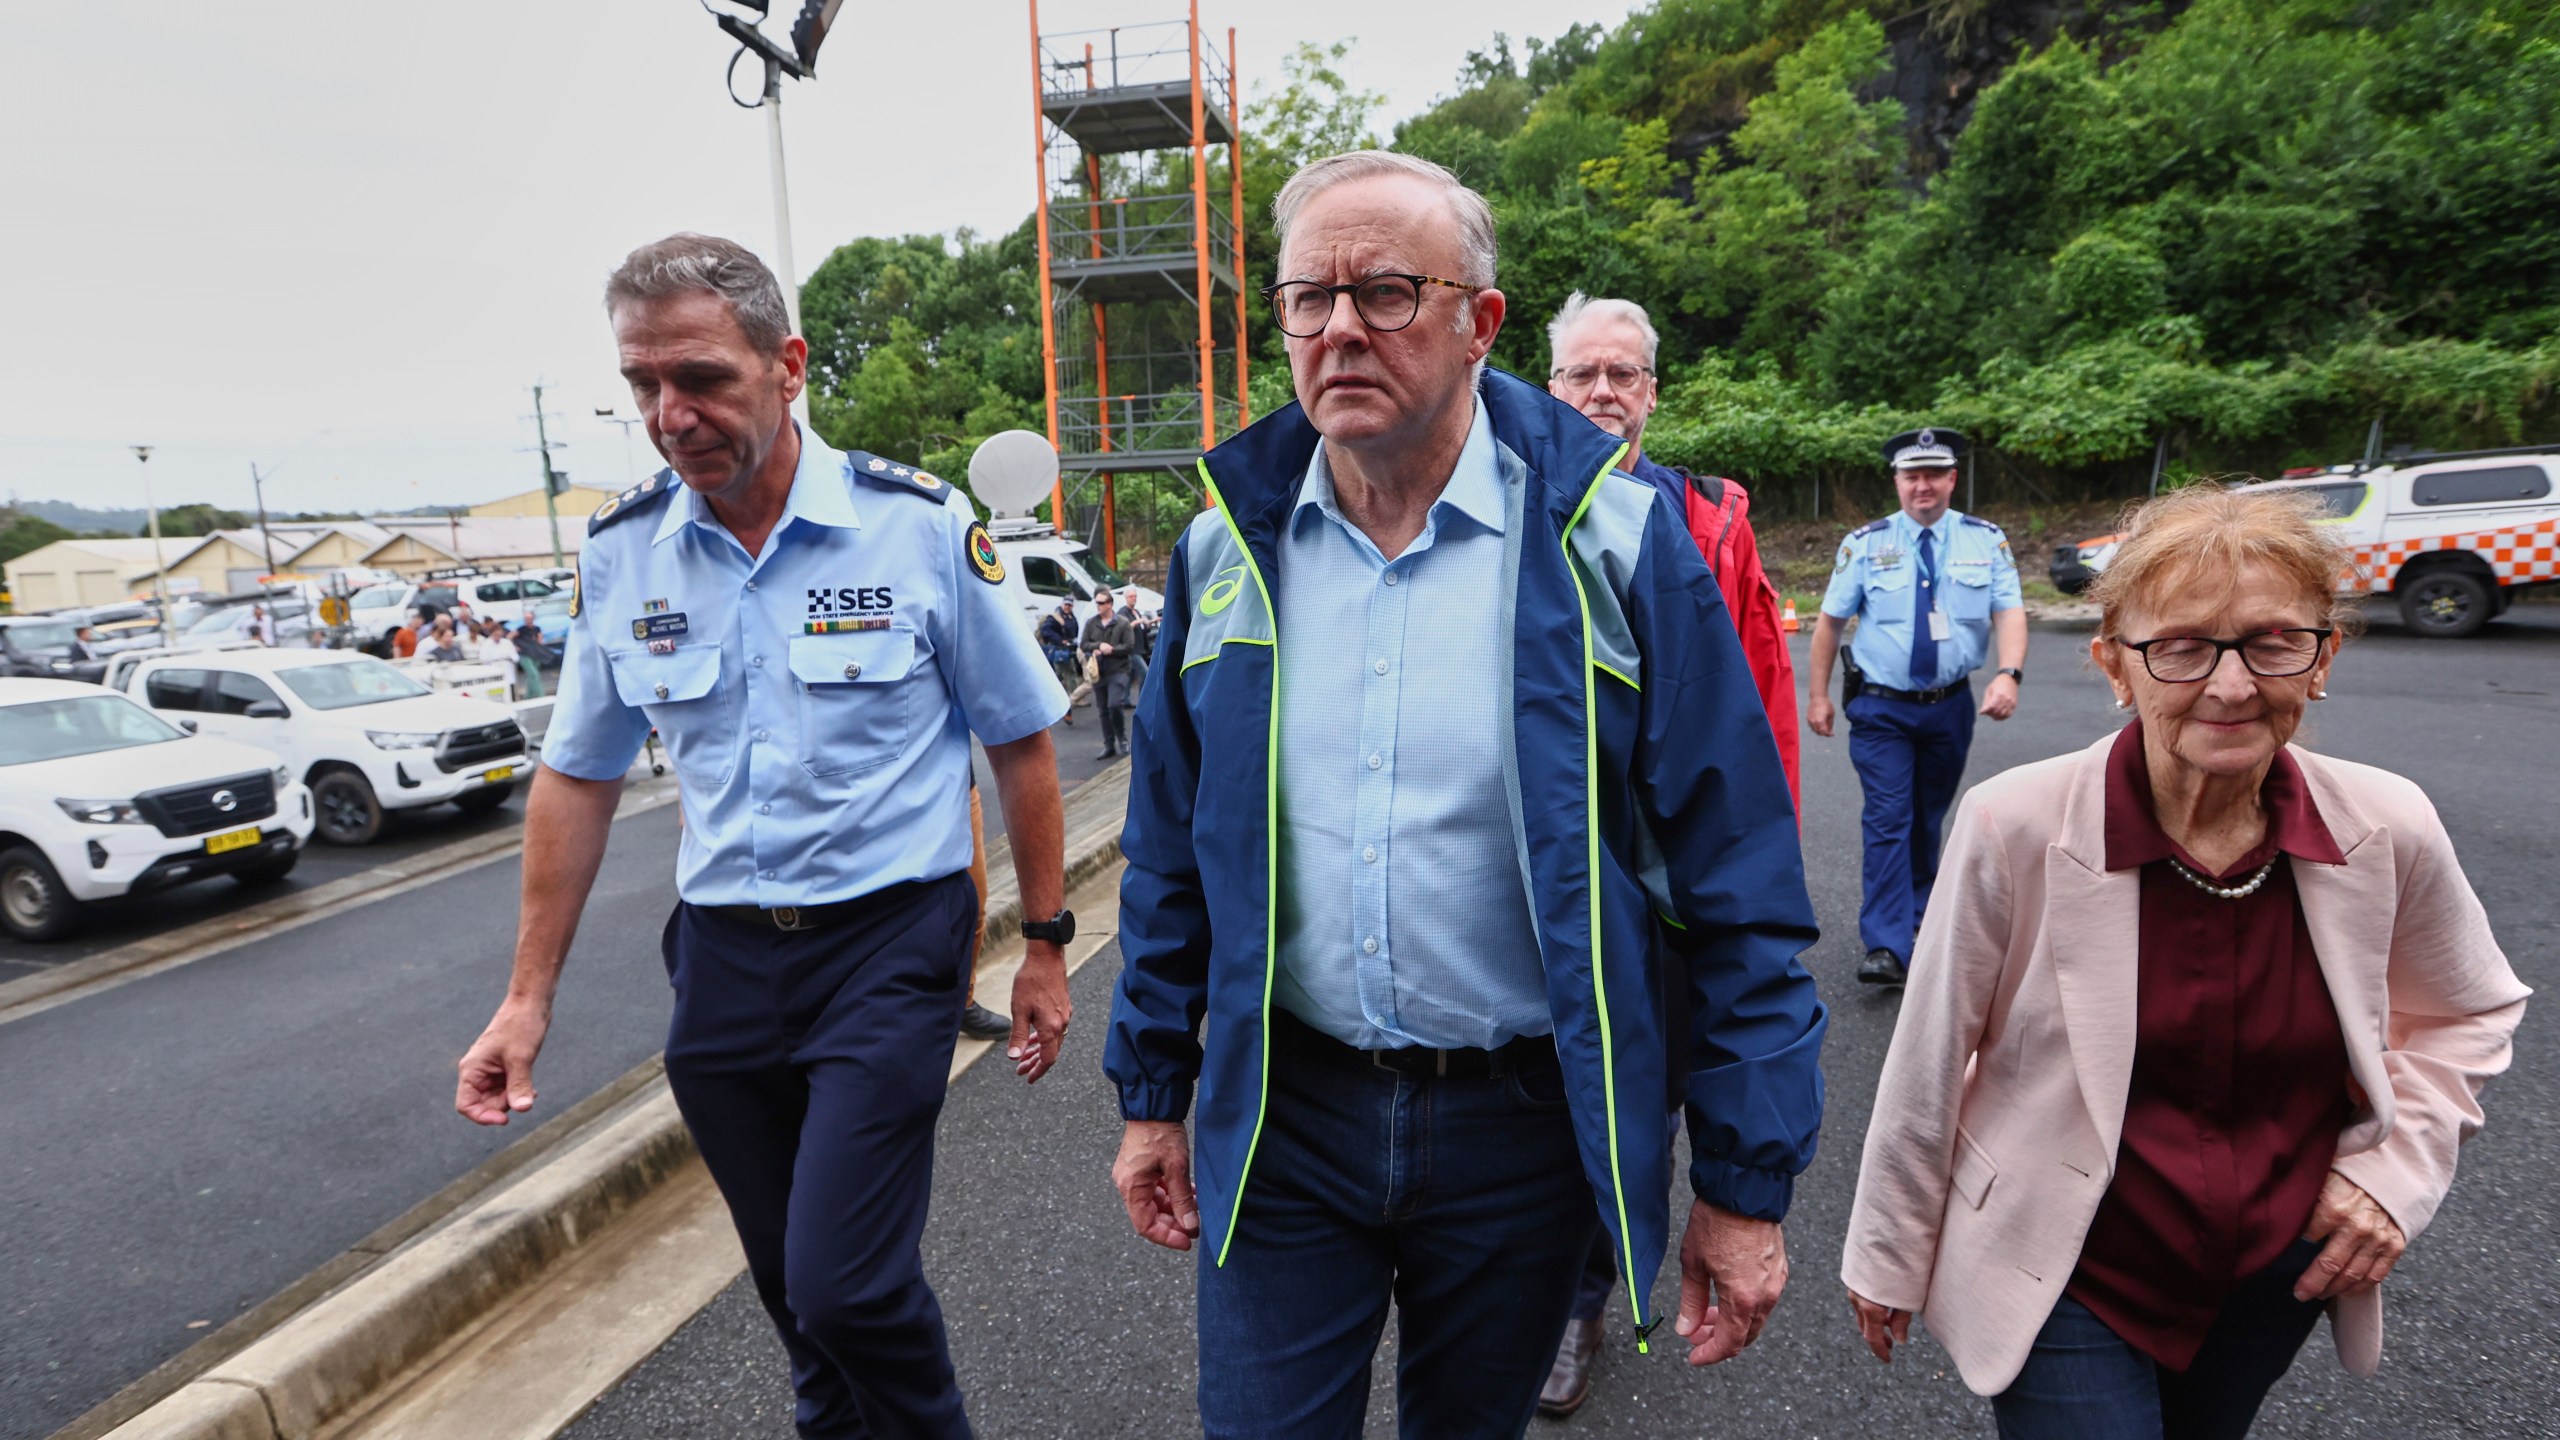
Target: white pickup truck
2453 538
366 738
99 798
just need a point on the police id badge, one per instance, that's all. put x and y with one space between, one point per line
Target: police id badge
664 626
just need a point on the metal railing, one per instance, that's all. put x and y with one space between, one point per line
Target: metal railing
1090 425
1158 53
1084 232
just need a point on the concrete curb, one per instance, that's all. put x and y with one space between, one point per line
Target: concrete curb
327 1360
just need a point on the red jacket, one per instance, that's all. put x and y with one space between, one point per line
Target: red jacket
1718 515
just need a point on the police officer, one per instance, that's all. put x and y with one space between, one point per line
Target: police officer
815 635
1933 589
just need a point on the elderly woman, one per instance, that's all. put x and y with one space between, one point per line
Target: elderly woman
2192 1039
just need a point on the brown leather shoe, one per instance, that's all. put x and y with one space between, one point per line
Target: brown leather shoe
1569 1384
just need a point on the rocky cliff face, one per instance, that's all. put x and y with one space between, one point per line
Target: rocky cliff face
1947 52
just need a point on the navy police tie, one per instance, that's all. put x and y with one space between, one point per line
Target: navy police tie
1924 645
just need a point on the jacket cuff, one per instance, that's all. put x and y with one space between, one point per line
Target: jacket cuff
1742 1189
1148 1100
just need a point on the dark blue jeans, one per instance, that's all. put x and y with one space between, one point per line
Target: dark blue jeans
1462 1200
2083 1382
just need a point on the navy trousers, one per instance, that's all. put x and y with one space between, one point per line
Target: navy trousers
2083 1382
1910 761
810 1067
1463 1201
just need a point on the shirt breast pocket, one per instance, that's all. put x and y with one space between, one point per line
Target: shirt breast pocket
1888 590
1969 592
680 692
857 698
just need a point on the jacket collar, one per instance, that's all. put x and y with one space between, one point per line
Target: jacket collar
1258 471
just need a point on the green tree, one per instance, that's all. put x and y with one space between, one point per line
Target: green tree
24 533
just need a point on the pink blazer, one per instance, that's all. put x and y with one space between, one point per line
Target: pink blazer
2003 1096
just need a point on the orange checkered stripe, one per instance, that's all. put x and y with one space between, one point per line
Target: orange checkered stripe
2520 554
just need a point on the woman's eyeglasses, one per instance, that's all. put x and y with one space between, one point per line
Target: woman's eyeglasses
2269 654
1385 303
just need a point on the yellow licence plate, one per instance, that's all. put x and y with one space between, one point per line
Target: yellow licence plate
230 840
503 772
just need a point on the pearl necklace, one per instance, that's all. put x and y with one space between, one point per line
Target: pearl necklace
2235 892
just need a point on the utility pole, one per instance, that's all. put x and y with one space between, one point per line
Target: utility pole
266 542
630 459
159 562
550 478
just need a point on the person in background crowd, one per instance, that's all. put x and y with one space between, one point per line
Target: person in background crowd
2199 1024
404 641
1933 589
83 645
1112 643
1057 634
1145 627
262 626
1603 353
1419 659
444 642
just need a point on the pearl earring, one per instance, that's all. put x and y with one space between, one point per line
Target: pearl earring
2123 704
2319 694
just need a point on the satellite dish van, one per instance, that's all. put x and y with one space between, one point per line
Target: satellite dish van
1011 473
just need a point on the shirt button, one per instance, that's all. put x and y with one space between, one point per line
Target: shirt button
759 734
1382 667
751 584
764 809
1370 945
1369 855
1376 760
1391 577
853 672
764 874
758 661
660 692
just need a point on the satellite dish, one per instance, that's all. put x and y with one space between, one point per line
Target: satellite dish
1013 471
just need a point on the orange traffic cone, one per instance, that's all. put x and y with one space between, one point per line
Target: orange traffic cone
1788 622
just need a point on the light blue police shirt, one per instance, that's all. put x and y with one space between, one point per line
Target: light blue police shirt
1876 577
817 700
1402 916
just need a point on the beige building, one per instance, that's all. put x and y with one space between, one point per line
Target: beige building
578 500
86 572
504 542
334 547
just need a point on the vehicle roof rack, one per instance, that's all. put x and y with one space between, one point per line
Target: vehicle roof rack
2399 455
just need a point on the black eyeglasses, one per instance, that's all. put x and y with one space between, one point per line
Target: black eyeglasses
1385 303
2269 654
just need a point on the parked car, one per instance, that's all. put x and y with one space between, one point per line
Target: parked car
377 610
100 798
39 646
365 737
239 622
2453 538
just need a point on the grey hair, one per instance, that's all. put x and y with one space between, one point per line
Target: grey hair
1579 307
686 262
1473 216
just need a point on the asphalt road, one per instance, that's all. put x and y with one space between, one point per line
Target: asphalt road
1064 1324
117 922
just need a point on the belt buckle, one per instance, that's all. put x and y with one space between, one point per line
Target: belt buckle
787 917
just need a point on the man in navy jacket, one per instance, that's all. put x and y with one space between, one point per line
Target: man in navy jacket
1458 852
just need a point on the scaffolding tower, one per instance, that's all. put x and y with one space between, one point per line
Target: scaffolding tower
1141 264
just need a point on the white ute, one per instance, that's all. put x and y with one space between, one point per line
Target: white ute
366 738
101 798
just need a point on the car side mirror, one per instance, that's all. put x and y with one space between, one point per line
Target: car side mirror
265 710
187 725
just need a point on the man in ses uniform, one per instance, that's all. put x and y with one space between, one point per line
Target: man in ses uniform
1933 590
815 635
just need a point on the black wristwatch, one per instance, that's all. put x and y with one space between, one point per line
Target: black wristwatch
2014 673
1060 929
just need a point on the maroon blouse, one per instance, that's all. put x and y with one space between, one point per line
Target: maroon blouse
2239 1072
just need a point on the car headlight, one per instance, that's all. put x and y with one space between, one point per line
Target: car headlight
284 777
102 812
403 739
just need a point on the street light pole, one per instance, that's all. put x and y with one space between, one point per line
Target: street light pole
630 458
159 562
800 62
266 542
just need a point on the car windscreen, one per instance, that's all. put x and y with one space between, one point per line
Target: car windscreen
40 637
340 687
82 725
378 597
219 622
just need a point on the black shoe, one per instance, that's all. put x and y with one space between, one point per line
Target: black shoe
1881 968
1106 754
1569 1382
980 1023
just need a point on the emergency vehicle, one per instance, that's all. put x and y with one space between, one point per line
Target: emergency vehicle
2453 538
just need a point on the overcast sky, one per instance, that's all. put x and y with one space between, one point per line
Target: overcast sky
232 227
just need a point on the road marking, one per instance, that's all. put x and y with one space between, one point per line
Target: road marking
157 954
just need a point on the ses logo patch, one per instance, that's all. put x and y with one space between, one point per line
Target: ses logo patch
983 556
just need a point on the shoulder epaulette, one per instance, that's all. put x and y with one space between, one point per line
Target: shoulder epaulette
1871 527
1985 524
889 475
649 494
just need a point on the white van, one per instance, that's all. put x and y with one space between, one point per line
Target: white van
1042 568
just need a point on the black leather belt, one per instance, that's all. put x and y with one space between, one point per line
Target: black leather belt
815 917
1296 1037
1918 697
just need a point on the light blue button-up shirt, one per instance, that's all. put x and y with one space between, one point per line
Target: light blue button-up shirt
1877 578
1403 917
817 700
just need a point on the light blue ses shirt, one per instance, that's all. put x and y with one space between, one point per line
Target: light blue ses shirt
1403 917
817 700
1877 578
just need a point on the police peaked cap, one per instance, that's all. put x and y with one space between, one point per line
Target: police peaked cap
1925 448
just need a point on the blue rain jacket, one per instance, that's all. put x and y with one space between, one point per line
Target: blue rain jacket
1651 818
